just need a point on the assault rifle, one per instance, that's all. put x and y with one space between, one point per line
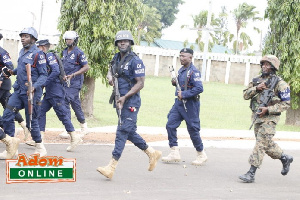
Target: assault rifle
266 95
29 93
115 96
173 74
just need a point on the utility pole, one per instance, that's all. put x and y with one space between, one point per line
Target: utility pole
41 17
206 40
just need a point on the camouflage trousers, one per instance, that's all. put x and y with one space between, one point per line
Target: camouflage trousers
264 133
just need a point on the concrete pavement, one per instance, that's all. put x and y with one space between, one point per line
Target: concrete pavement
217 179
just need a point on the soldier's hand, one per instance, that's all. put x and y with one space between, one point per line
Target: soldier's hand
179 94
261 86
264 111
173 81
121 102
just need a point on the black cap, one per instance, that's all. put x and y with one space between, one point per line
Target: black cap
42 42
1 36
187 50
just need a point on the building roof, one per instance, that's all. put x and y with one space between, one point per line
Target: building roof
178 45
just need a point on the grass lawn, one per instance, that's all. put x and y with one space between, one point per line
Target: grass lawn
222 107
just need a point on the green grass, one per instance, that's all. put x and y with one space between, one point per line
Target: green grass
222 107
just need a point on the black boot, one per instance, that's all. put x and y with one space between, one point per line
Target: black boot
249 176
286 161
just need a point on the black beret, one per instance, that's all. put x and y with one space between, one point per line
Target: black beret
187 50
42 42
1 36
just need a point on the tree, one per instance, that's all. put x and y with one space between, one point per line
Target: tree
97 22
222 36
283 41
149 26
166 8
242 15
200 21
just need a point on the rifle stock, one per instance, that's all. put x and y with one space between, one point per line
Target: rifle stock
173 74
29 93
115 96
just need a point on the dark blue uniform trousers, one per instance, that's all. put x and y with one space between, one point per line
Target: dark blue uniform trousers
61 110
72 97
20 101
177 114
4 95
127 131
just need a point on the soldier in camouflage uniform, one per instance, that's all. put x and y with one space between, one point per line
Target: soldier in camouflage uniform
268 117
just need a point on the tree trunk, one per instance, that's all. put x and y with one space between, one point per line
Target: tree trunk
87 96
293 116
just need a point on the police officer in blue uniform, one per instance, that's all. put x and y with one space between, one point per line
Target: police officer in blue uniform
55 96
35 58
10 142
75 64
186 107
5 86
128 73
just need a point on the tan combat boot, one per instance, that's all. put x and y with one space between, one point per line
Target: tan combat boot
32 142
26 130
40 149
173 156
64 135
4 154
200 159
12 145
75 141
108 171
153 155
84 129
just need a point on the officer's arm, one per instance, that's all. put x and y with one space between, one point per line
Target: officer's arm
250 91
136 88
42 71
197 87
54 71
284 96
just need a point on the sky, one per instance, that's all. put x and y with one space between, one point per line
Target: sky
18 14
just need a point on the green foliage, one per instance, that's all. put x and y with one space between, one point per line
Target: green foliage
97 22
284 41
149 26
241 16
166 8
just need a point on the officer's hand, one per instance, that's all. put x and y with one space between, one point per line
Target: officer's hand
179 94
69 77
110 81
173 81
264 111
32 91
1 83
261 86
121 102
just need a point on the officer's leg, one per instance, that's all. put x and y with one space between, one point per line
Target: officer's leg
45 107
193 123
130 127
3 102
14 104
174 121
61 109
258 151
76 106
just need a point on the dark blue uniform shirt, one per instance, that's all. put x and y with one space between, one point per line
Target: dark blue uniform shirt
38 73
5 61
54 87
194 83
72 62
130 70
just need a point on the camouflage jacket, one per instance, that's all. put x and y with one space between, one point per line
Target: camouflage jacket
279 103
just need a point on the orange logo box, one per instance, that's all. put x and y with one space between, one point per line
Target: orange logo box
36 169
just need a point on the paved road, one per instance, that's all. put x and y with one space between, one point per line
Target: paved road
217 179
